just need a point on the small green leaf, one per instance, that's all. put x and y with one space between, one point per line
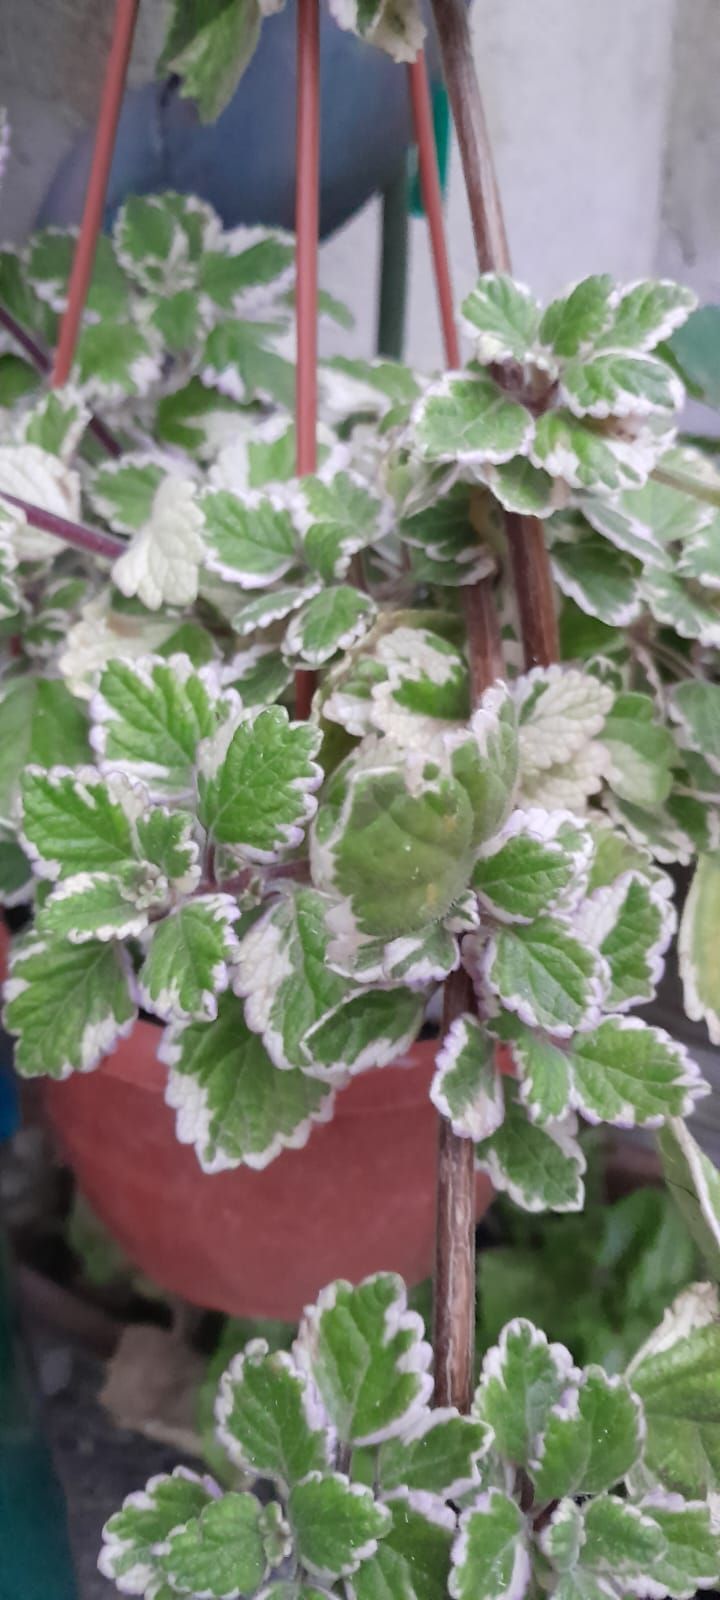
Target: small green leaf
620 1542
694 1184
412 1561
232 1103
490 1559
572 451
540 1168
210 49
677 1376
538 863
337 519
40 724
399 858
265 1417
620 384
522 1379
438 1455
122 491
466 1087
545 973
220 1553
695 706
470 420
102 905
334 620
577 318
503 318
149 716
282 970
78 821
691 1559
542 1067
187 964
648 312
693 613
336 1524
632 1075
250 541
243 361
366 1355
641 751
131 1536
590 1440
251 265
256 779
633 921
116 360
699 948
68 1004
371 1029
600 579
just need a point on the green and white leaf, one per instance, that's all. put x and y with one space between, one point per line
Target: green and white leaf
371 1029
365 1354
267 1419
546 973
620 383
466 1087
131 1536
103 905
693 614
281 969
244 360
256 783
542 1067
694 1184
210 50
250 269
646 313
57 422
334 620
641 751
187 964
695 706
220 1553
250 541
337 516
540 862
561 710
677 1376
232 1104
439 1454
522 1378
470 420
591 1439
336 1524
599 463
633 1075
490 1558
162 563
79 821
576 320
631 922
149 716
600 579
68 1005
122 492
691 1557
503 318
413 1559
698 952
33 474
539 1167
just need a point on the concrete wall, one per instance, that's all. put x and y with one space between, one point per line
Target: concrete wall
605 119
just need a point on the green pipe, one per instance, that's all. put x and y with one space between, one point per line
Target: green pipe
393 269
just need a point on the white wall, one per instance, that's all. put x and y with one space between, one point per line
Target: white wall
605 119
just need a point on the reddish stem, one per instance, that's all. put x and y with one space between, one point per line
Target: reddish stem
41 360
432 200
307 225
112 93
532 577
76 534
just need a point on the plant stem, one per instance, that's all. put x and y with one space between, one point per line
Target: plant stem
41 360
112 93
526 543
90 540
393 269
307 224
684 484
454 1296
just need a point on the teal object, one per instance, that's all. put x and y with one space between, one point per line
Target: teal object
442 127
35 1558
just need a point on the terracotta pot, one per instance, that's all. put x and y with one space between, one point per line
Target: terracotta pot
359 1197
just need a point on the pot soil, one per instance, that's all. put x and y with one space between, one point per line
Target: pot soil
358 1198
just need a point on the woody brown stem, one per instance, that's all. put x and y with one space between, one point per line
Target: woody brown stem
526 544
76 534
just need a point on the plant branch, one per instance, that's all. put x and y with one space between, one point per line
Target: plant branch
90 540
41 361
526 543
684 484
83 260
307 224
454 1296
